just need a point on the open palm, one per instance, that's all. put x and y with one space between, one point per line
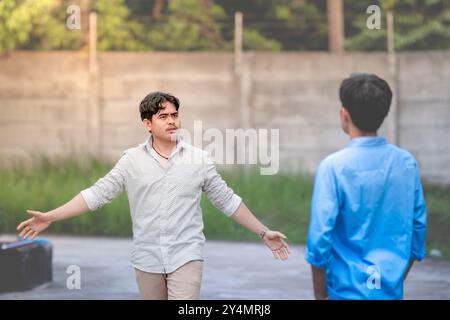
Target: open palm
35 225
274 240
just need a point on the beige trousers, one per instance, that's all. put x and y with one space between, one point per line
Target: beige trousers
182 284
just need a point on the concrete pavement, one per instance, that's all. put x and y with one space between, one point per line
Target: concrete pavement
232 270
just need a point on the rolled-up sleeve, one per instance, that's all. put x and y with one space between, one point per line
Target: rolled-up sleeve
217 190
108 187
420 221
324 212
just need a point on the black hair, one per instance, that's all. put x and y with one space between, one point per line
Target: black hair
152 103
367 98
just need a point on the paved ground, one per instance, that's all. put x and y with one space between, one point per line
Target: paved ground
233 270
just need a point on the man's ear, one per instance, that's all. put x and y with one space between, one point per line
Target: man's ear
345 119
147 124
344 114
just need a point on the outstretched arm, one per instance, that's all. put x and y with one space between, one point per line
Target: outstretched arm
42 220
231 204
101 193
274 240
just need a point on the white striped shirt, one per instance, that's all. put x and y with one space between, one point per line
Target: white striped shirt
164 202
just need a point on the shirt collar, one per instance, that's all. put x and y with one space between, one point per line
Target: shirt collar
367 142
180 145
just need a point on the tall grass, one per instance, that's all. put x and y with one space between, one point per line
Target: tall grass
438 204
282 202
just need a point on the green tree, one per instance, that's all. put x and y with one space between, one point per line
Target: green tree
418 24
116 29
52 33
208 24
293 24
18 20
304 24
190 25
422 25
254 40
41 24
197 25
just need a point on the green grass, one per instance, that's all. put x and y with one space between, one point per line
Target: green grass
49 185
438 204
282 202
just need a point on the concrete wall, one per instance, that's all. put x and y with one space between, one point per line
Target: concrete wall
51 104
424 108
43 105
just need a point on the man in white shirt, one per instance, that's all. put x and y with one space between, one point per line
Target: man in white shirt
164 179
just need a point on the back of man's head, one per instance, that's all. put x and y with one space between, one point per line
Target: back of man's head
367 98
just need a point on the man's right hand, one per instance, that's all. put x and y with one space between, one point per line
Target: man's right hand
274 240
35 225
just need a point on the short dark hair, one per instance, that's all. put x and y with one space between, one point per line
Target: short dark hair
367 98
152 103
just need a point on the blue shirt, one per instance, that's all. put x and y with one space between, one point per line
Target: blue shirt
368 219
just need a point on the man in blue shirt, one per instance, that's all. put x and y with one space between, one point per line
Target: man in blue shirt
368 215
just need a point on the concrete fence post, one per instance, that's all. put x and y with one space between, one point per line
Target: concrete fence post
335 26
393 71
94 113
241 71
